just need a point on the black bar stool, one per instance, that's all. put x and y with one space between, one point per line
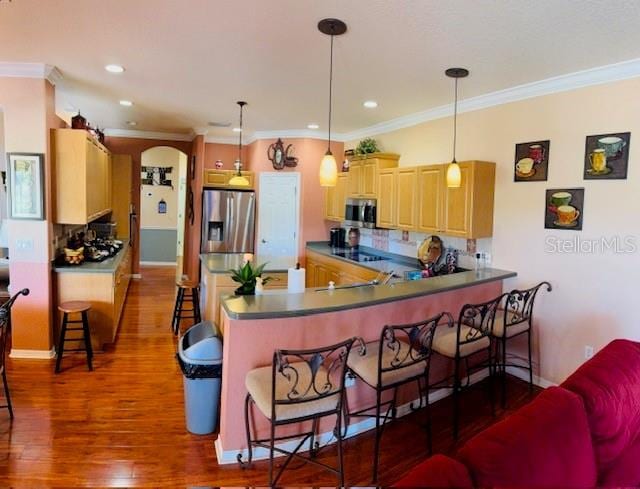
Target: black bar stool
75 307
179 310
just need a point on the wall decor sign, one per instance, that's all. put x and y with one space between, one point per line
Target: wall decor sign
564 209
26 185
156 175
531 162
606 156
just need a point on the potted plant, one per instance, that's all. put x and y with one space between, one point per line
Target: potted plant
246 276
367 146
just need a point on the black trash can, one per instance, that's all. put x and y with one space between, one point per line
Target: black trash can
200 358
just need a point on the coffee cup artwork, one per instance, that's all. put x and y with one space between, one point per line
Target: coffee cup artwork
563 209
531 161
607 156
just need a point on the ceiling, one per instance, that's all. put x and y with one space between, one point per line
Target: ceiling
187 63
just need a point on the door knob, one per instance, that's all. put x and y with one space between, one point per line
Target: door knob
264 241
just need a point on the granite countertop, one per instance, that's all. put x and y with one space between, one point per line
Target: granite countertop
110 265
321 300
223 262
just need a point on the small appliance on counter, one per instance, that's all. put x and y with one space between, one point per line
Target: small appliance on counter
337 237
105 230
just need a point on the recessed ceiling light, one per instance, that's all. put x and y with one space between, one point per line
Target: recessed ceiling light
370 104
313 126
114 68
126 103
237 129
132 123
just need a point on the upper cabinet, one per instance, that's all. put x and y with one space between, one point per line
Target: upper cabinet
82 177
221 178
335 199
418 199
363 173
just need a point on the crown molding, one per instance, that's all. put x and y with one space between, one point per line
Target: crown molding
131 133
222 140
563 83
30 70
298 133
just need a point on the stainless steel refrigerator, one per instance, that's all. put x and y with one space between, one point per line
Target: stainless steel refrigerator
228 221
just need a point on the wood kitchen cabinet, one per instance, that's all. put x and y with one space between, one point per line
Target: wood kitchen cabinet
82 177
321 269
221 178
335 199
397 197
432 186
363 173
387 199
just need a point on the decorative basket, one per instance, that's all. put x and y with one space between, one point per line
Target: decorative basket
74 257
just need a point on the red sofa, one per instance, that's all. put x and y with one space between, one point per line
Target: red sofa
585 433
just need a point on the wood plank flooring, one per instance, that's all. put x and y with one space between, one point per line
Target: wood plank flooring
122 425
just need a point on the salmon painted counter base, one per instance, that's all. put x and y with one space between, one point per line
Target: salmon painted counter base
249 343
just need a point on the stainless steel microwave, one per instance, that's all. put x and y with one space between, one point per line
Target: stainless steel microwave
360 213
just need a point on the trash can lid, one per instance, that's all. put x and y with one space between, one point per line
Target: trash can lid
201 345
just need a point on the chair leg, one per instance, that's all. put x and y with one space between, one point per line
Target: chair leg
271 450
6 392
490 392
195 297
376 450
63 332
87 340
456 393
175 313
503 343
340 457
429 433
312 438
247 427
179 305
530 363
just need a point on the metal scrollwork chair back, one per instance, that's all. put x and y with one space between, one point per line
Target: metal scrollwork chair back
479 318
5 330
519 304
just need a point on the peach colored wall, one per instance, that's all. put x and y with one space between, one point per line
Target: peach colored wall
309 152
191 266
28 115
250 344
594 294
135 147
228 153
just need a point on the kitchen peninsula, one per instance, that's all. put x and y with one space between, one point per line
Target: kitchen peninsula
254 326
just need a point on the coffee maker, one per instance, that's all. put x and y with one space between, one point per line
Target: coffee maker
337 237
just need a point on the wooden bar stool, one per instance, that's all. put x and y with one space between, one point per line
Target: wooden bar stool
178 309
75 307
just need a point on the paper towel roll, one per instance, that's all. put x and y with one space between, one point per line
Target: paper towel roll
296 278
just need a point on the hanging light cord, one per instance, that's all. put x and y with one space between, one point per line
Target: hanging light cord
240 144
455 121
330 92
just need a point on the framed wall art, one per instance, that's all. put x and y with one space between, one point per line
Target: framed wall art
26 185
564 209
606 156
531 162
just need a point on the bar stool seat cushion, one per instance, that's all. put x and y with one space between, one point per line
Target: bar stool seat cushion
366 366
259 384
74 306
187 284
512 329
445 339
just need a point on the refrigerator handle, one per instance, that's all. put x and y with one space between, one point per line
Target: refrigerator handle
230 224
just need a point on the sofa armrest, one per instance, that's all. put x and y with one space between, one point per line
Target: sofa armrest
437 471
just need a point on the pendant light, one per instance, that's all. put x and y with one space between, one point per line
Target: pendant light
454 177
328 167
238 180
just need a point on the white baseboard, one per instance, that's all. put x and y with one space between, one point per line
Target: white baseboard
158 263
33 354
524 375
136 276
230 456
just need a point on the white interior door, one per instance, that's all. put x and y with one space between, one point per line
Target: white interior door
279 216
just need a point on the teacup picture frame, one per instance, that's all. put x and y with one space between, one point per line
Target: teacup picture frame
531 162
606 156
564 209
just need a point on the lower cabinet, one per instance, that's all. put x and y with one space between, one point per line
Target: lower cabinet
105 291
322 269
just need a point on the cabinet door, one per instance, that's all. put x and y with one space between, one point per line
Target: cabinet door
432 185
407 189
340 196
310 275
108 175
94 180
386 208
330 203
215 178
457 219
368 180
355 177
322 276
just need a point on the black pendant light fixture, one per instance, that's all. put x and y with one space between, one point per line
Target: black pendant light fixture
328 168
238 180
454 177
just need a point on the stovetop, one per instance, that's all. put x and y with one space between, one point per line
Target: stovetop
358 256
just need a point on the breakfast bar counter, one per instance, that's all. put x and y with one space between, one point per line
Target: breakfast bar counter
254 326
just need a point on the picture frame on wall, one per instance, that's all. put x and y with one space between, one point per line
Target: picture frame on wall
564 209
531 162
606 156
26 185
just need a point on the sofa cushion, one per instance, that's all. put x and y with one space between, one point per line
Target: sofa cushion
545 443
625 472
609 385
437 471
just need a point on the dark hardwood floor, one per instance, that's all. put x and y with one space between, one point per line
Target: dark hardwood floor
122 425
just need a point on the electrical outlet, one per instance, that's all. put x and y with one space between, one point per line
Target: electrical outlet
588 352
